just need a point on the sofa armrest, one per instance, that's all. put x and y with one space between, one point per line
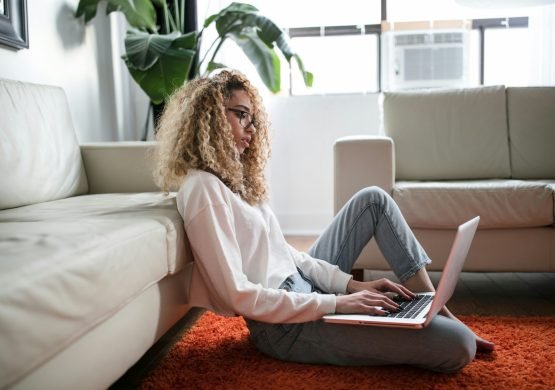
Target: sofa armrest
118 167
359 162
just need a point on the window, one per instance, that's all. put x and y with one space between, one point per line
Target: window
340 63
506 46
336 38
506 51
360 46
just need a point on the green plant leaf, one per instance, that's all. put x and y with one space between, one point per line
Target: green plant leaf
284 47
266 29
212 66
288 53
233 7
171 68
87 8
139 13
187 41
165 76
263 58
159 63
308 77
239 21
144 49
238 17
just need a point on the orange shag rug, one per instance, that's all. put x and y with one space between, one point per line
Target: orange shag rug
216 353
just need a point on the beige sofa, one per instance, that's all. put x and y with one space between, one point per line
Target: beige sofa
448 155
93 259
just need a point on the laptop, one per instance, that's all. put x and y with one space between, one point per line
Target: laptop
418 313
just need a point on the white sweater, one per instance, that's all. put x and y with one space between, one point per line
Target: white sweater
241 258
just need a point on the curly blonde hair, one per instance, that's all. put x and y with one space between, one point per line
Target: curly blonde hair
193 133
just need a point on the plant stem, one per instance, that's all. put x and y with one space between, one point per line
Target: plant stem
223 38
176 14
207 51
172 23
166 21
183 16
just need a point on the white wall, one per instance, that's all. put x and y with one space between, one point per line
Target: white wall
301 168
63 52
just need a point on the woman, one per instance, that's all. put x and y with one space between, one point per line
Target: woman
214 145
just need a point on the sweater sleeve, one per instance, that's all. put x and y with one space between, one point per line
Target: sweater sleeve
326 276
218 257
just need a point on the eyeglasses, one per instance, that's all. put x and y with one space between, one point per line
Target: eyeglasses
245 119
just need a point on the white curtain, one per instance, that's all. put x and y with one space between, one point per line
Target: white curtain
541 24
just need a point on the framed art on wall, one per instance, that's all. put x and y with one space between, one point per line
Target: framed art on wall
13 24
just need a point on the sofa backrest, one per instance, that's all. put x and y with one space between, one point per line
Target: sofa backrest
448 134
40 159
532 132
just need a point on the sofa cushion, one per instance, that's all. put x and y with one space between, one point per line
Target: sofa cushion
36 124
499 203
448 134
153 206
550 184
532 132
67 265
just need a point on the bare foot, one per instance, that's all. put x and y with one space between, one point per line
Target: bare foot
482 345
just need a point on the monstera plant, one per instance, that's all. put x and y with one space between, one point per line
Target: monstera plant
160 55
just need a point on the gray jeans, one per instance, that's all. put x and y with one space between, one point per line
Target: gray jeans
444 345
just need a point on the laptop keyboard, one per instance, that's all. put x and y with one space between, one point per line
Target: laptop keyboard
411 309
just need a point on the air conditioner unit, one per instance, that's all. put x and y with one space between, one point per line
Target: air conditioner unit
425 59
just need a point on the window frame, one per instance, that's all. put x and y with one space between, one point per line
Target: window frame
352 30
368 29
483 24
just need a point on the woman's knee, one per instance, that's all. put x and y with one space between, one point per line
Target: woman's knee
373 195
459 348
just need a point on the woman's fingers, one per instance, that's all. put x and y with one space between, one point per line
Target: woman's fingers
404 292
377 311
366 302
388 285
376 299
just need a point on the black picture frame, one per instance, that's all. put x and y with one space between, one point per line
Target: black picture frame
13 24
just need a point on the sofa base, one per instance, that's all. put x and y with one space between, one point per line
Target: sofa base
495 250
99 358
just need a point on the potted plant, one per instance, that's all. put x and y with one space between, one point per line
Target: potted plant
161 56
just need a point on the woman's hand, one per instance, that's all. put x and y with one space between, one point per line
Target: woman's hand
370 297
380 286
365 302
